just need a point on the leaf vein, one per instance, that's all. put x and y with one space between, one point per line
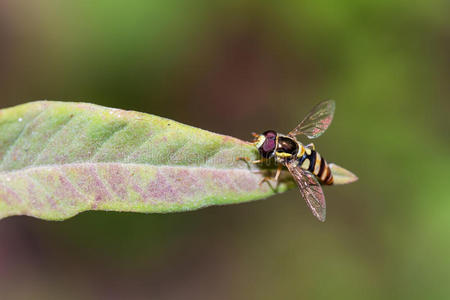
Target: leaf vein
75 187
50 140
140 145
98 150
103 182
13 144
31 178
172 156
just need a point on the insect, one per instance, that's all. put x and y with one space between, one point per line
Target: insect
308 168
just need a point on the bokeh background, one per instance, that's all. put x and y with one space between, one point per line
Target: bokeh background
235 67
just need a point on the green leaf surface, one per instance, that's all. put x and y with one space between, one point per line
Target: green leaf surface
58 159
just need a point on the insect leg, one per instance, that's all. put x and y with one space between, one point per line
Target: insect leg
258 161
265 179
277 175
269 178
246 159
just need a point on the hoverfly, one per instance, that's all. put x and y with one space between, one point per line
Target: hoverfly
308 168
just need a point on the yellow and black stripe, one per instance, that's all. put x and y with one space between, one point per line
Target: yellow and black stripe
314 163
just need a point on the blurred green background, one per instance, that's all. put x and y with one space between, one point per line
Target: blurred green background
235 67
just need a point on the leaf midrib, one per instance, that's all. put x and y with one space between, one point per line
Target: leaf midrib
34 167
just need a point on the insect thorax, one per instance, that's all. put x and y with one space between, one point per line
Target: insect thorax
287 149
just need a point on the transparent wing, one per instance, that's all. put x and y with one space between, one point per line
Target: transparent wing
310 189
317 121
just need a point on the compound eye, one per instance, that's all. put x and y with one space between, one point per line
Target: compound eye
269 145
270 135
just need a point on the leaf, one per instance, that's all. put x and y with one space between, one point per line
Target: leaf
58 159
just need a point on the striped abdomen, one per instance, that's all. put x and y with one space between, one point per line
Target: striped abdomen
313 162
